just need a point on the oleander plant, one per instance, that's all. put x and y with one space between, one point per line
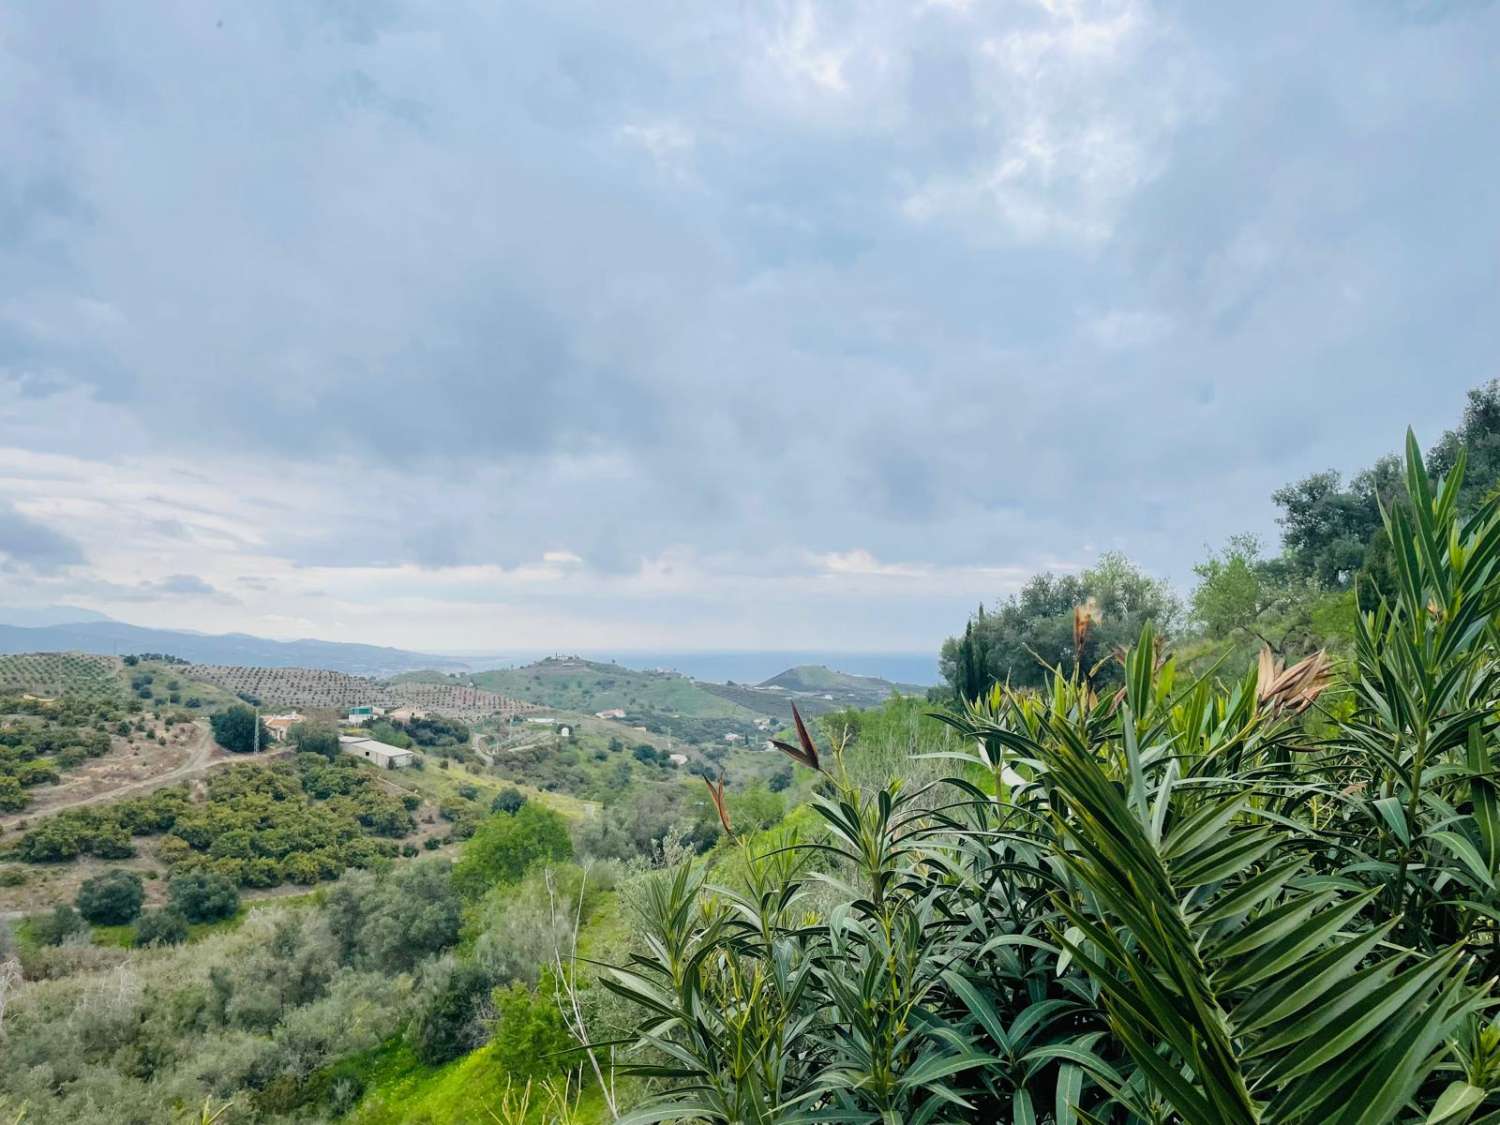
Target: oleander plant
1190 898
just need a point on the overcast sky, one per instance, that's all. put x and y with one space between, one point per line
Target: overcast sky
710 325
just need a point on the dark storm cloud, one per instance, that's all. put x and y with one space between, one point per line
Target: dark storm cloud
948 283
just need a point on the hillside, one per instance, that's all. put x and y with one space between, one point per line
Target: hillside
821 680
110 638
585 685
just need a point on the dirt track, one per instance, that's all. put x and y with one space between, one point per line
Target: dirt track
203 755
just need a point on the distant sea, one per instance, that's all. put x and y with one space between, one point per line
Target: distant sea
745 667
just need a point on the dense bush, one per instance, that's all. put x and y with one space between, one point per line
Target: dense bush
111 899
239 730
508 800
530 1039
203 896
506 844
167 926
451 1021
59 924
393 924
316 738
12 797
436 732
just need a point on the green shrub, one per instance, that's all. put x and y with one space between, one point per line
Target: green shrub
508 800
59 924
449 1023
505 845
530 1040
235 729
54 840
111 899
313 738
13 797
203 896
161 927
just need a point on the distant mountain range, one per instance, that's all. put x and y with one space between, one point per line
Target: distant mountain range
116 638
34 616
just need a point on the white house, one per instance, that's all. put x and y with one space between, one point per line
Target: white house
384 756
611 713
678 759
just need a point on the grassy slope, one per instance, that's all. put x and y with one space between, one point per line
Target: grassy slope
438 785
400 1090
582 685
817 677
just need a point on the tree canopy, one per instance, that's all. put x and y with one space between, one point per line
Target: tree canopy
1018 639
235 729
506 844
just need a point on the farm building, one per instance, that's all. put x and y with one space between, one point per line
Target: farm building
364 714
611 713
278 726
678 759
384 756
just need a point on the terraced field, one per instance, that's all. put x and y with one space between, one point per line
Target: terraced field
317 688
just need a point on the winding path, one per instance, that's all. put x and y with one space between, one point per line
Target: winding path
203 755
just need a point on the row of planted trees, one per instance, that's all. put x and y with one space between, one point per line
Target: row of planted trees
1268 900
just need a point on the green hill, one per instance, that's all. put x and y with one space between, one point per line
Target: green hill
843 686
584 685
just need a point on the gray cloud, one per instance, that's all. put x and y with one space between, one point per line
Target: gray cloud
956 285
181 584
31 544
